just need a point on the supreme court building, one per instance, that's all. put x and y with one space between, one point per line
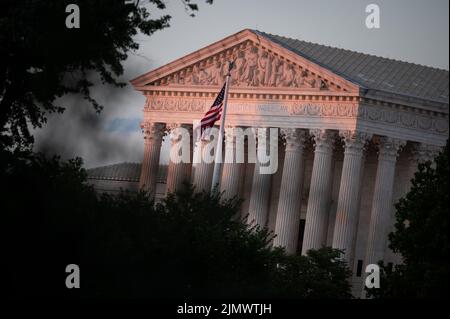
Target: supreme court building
353 128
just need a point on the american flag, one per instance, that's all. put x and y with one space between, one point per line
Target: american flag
214 112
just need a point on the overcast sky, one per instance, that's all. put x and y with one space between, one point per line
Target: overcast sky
411 30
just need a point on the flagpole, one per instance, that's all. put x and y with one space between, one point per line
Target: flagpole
218 157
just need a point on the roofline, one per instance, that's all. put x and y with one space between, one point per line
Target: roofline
411 100
354 51
363 89
249 34
361 86
218 46
187 59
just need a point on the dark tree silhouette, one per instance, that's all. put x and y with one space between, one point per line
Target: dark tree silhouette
421 236
41 59
191 245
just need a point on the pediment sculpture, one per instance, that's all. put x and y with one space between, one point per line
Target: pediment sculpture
253 67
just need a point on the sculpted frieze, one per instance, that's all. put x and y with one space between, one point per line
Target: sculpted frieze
253 67
375 113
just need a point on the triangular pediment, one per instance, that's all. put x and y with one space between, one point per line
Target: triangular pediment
258 63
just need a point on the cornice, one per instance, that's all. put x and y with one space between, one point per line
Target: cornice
241 38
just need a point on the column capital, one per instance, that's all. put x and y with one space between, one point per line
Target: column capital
323 139
152 130
172 126
294 139
355 140
388 147
422 152
172 130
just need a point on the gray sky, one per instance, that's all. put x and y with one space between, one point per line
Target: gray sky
410 30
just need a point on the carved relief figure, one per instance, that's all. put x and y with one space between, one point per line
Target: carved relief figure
175 79
181 78
239 65
288 75
263 69
193 77
322 84
252 67
299 78
203 77
309 80
276 71
249 76
216 73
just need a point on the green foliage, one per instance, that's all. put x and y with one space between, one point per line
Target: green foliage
41 59
190 245
421 236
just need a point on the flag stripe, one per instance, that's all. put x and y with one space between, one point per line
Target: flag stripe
214 112
210 116
212 119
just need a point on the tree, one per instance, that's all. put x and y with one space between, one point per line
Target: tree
190 245
320 274
41 59
421 236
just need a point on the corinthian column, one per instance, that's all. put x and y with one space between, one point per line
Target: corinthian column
153 133
289 203
422 153
380 217
316 224
260 193
179 164
231 171
203 170
347 207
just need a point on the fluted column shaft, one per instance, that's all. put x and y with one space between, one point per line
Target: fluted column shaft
153 134
380 218
260 193
231 170
347 207
289 203
259 198
203 170
316 224
179 170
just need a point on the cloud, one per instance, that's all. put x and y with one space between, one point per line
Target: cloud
123 125
109 137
